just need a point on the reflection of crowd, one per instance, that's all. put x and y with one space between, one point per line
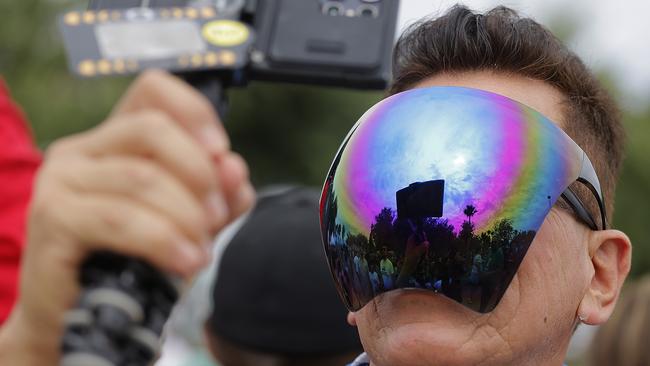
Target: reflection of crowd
429 255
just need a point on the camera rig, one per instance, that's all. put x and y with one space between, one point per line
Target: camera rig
214 45
219 44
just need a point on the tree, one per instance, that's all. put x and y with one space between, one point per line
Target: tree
381 232
470 211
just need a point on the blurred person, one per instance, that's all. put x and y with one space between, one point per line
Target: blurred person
257 312
19 160
386 268
273 299
623 340
571 273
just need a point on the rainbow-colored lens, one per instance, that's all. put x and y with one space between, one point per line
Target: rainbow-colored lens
442 188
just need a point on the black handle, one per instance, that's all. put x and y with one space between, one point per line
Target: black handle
212 87
120 314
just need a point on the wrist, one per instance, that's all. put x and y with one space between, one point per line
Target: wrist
22 343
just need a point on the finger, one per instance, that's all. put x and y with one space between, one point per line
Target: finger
120 226
159 90
234 176
155 136
144 182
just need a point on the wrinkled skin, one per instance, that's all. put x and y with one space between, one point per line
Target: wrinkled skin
569 273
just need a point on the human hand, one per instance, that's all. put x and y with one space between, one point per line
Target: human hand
156 181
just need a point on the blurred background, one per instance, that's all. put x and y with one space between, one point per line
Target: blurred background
289 133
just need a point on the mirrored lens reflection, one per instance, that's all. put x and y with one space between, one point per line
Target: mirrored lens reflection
442 189
412 247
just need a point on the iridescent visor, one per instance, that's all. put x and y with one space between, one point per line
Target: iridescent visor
444 189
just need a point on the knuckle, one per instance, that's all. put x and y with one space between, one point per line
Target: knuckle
137 227
152 119
244 166
57 171
59 148
202 109
140 174
41 205
49 208
202 176
151 125
149 80
160 238
115 220
240 167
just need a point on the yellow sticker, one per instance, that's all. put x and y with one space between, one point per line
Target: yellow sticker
225 33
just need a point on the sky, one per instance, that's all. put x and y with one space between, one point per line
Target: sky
611 35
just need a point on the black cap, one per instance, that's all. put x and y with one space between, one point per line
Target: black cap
273 291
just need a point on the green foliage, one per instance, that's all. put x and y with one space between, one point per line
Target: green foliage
287 133
633 192
33 64
291 133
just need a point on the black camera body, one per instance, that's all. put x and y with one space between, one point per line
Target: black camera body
341 43
344 43
421 200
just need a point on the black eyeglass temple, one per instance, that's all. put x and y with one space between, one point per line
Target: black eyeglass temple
579 208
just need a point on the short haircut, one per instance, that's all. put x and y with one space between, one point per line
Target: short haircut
500 40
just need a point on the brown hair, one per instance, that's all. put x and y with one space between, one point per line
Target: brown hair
623 340
502 41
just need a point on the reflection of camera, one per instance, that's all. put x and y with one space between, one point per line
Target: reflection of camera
214 45
421 200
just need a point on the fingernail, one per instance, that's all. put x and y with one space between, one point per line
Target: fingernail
217 208
247 194
214 140
191 257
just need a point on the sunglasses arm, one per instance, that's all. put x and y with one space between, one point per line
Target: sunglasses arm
589 178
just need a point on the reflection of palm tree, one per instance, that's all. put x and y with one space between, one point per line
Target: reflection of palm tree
470 211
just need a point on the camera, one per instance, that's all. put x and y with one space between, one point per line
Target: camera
214 45
421 200
219 44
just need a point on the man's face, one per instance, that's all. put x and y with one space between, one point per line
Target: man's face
534 320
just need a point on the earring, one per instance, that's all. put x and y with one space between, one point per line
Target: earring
581 318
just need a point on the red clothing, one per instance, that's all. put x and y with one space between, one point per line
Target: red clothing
19 159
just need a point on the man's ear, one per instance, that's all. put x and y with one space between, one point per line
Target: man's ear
352 320
611 253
